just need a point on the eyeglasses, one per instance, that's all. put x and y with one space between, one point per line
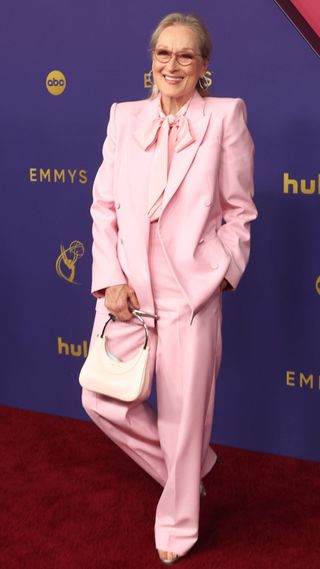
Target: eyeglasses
182 57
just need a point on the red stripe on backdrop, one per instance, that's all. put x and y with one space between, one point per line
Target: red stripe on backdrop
310 10
305 16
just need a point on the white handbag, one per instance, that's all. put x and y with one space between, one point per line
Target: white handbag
127 380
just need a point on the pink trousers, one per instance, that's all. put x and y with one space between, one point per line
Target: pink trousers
172 445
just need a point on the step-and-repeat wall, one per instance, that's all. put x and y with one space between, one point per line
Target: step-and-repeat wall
65 63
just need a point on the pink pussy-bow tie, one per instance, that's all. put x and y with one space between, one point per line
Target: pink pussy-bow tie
159 131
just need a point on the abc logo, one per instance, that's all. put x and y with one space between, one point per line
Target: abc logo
56 82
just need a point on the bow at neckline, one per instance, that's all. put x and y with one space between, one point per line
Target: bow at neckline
166 133
147 134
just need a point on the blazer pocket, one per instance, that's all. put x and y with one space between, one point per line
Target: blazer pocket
211 250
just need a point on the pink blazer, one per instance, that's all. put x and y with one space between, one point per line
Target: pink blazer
204 225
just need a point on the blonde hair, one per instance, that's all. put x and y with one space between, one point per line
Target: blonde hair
196 25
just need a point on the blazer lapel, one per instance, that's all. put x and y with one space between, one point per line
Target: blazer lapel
139 163
183 158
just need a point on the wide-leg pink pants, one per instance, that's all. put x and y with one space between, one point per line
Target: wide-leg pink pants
171 445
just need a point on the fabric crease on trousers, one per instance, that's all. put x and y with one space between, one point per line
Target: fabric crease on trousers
172 444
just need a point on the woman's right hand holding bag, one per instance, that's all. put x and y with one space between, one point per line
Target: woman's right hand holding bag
117 299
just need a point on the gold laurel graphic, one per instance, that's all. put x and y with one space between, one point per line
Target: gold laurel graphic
66 262
318 285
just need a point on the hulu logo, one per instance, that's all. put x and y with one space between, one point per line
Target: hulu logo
76 350
303 186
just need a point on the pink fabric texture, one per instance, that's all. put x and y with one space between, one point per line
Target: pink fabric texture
173 445
176 266
166 132
210 181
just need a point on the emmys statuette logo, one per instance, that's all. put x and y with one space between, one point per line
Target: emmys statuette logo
318 285
67 260
56 82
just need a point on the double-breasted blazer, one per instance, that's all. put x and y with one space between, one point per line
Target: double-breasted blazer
204 225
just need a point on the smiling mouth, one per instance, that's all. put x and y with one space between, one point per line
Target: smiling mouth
172 79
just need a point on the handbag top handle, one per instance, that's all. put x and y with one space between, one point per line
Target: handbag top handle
112 317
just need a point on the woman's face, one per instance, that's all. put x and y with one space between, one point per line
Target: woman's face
173 79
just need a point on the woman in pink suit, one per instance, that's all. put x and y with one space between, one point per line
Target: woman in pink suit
172 206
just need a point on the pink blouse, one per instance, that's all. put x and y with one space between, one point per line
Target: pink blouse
156 210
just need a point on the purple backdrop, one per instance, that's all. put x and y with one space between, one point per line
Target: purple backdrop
269 386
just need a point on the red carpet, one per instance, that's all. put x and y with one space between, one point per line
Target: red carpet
71 499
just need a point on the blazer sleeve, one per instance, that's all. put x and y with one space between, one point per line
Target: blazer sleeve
236 190
106 269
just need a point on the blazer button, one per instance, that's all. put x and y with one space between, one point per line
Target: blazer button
201 240
216 266
117 204
208 203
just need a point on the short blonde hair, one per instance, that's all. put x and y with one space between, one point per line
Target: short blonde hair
196 25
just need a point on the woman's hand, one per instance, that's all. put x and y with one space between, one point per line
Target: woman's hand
116 300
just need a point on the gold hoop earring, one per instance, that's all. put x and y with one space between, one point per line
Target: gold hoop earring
204 83
150 78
